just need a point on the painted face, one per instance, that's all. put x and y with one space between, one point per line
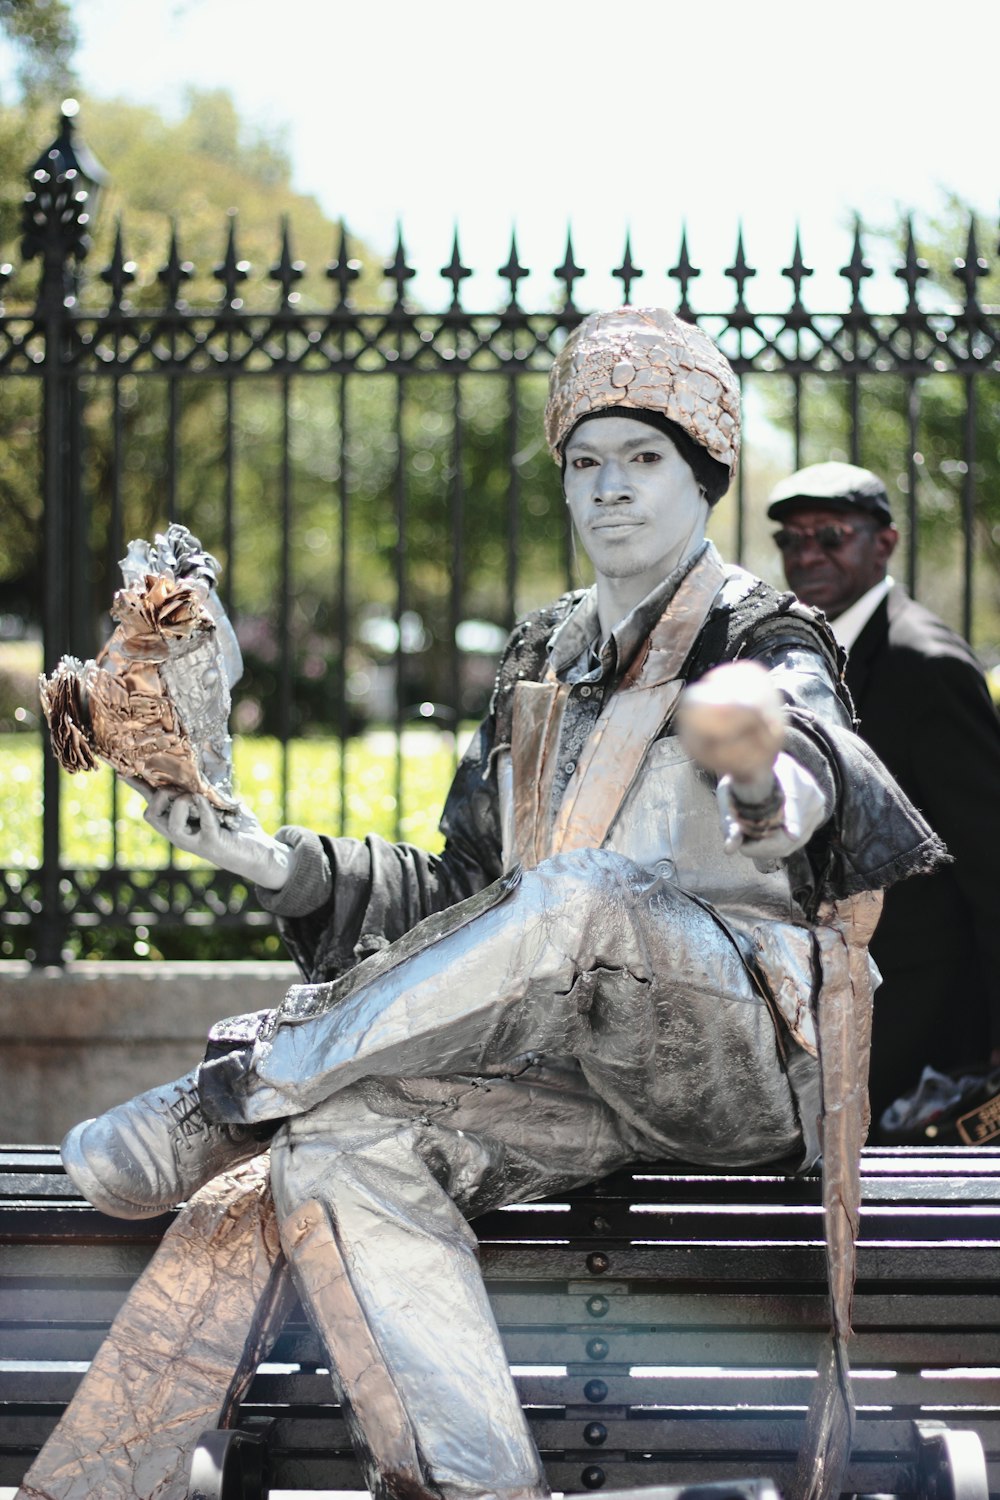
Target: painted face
634 500
831 557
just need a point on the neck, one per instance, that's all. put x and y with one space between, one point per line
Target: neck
843 611
618 597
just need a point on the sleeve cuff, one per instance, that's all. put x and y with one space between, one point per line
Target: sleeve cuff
775 829
309 884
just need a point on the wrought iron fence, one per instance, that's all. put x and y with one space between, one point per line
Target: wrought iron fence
373 478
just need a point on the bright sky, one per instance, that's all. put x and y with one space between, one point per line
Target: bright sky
541 113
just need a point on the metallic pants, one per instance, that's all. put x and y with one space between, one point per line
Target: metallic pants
594 1015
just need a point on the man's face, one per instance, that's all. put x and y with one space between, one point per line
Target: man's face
832 568
634 500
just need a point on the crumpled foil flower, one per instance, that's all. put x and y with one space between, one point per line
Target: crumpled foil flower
155 704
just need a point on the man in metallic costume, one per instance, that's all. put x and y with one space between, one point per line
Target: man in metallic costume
644 915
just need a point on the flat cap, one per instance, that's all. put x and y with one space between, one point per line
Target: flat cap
835 486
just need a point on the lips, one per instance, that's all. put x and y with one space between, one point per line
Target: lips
809 577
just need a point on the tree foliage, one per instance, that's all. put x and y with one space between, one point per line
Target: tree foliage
43 35
207 173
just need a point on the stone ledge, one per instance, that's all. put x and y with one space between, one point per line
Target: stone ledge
131 999
77 1040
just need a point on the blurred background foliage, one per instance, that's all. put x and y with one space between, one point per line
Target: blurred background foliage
102 822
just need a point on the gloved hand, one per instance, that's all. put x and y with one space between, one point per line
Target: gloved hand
732 722
239 845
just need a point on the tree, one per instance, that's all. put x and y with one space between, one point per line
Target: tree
42 36
189 173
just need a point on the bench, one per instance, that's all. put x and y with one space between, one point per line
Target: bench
663 1326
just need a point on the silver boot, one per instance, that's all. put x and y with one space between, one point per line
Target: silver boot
146 1156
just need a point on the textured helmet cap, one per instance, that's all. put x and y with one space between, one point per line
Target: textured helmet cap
835 486
646 359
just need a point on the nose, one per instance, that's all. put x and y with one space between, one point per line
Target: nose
612 486
806 553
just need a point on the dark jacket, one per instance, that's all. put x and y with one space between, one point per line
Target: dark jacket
924 707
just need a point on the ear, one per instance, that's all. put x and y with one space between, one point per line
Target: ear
885 543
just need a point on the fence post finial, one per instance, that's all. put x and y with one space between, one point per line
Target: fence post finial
628 271
64 185
455 272
684 272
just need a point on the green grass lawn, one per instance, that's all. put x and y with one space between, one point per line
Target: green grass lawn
93 819
102 825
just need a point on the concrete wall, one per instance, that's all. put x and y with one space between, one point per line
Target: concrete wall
75 1041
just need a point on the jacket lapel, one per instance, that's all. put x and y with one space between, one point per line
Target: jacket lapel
861 656
630 720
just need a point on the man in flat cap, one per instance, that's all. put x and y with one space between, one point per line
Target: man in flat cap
925 709
625 951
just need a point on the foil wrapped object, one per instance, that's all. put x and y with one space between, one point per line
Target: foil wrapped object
646 359
155 704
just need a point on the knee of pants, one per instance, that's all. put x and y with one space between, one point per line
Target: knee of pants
602 909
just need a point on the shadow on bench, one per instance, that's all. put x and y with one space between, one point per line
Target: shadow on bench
663 1326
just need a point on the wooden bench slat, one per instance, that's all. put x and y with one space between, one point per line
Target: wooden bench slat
59 1300
302 1390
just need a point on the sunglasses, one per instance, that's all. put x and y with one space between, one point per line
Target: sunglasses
830 536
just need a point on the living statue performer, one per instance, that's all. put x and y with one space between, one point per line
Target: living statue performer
645 937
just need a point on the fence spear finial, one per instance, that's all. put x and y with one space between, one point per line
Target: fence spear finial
455 272
513 271
288 270
971 267
569 272
913 269
628 271
119 273
797 272
397 269
857 268
343 269
232 270
740 271
684 273
176 272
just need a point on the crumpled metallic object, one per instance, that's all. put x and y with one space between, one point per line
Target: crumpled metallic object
844 1011
646 359
155 704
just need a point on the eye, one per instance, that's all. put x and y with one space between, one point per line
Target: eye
583 462
648 456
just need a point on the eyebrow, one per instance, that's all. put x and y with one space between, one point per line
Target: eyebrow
630 443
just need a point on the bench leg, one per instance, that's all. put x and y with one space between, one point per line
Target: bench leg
178 1356
951 1465
230 1465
